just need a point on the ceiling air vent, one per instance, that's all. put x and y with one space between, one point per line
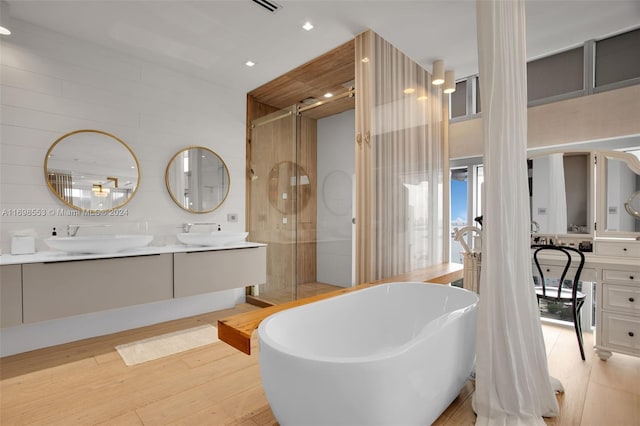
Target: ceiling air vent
269 5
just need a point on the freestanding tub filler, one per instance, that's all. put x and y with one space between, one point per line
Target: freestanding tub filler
391 354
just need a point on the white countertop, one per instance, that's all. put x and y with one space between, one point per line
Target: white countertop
59 256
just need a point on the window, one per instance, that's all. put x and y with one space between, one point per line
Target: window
555 75
459 100
605 64
459 216
617 58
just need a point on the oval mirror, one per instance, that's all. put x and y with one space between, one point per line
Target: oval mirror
197 179
92 170
620 178
289 187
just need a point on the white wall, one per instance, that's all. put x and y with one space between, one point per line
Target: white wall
336 171
53 84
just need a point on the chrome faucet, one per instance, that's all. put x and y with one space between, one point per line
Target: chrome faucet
535 227
72 230
186 227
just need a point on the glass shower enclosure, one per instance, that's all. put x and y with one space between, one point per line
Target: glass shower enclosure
273 199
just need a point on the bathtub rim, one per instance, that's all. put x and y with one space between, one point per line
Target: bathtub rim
362 359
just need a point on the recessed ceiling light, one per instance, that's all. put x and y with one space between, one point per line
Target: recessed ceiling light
4 31
423 98
409 90
308 26
365 60
249 63
328 95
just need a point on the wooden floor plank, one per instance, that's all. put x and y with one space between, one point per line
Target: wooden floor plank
566 365
609 406
182 404
620 371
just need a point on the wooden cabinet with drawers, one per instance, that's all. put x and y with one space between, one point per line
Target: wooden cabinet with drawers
618 308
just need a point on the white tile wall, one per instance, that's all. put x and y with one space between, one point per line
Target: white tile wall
52 84
336 136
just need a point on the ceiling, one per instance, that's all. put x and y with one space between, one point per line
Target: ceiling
212 39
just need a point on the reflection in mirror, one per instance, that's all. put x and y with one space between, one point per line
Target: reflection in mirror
197 180
622 182
631 206
91 170
560 193
289 187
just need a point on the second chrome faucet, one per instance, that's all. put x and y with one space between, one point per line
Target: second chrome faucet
186 227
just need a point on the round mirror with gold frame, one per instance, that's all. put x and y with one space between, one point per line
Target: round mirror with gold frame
92 170
197 179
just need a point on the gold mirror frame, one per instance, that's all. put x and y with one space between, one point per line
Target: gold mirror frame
172 191
103 186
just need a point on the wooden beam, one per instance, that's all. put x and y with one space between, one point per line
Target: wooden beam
237 329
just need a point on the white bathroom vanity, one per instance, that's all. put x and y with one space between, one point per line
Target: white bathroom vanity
589 201
66 297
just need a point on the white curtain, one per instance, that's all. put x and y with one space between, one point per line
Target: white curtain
512 381
400 161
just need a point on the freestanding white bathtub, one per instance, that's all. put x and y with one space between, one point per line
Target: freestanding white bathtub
392 354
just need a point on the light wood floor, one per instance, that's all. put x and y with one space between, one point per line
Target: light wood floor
86 383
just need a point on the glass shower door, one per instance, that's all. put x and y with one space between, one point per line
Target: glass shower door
273 199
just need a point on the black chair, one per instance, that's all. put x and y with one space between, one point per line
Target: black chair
564 290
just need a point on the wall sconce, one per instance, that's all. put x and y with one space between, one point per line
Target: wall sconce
437 76
449 82
114 180
99 191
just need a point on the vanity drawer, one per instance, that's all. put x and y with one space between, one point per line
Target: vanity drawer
630 277
63 289
621 333
554 271
621 298
618 249
10 295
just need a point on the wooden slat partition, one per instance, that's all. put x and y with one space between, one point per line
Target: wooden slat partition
237 330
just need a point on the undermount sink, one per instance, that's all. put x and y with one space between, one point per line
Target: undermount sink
98 244
214 238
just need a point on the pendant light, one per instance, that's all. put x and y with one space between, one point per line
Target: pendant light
449 82
437 77
4 12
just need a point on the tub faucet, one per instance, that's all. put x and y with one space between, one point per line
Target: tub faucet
72 230
186 227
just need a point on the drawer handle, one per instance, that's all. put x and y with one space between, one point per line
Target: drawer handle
631 299
624 249
548 270
630 277
631 334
